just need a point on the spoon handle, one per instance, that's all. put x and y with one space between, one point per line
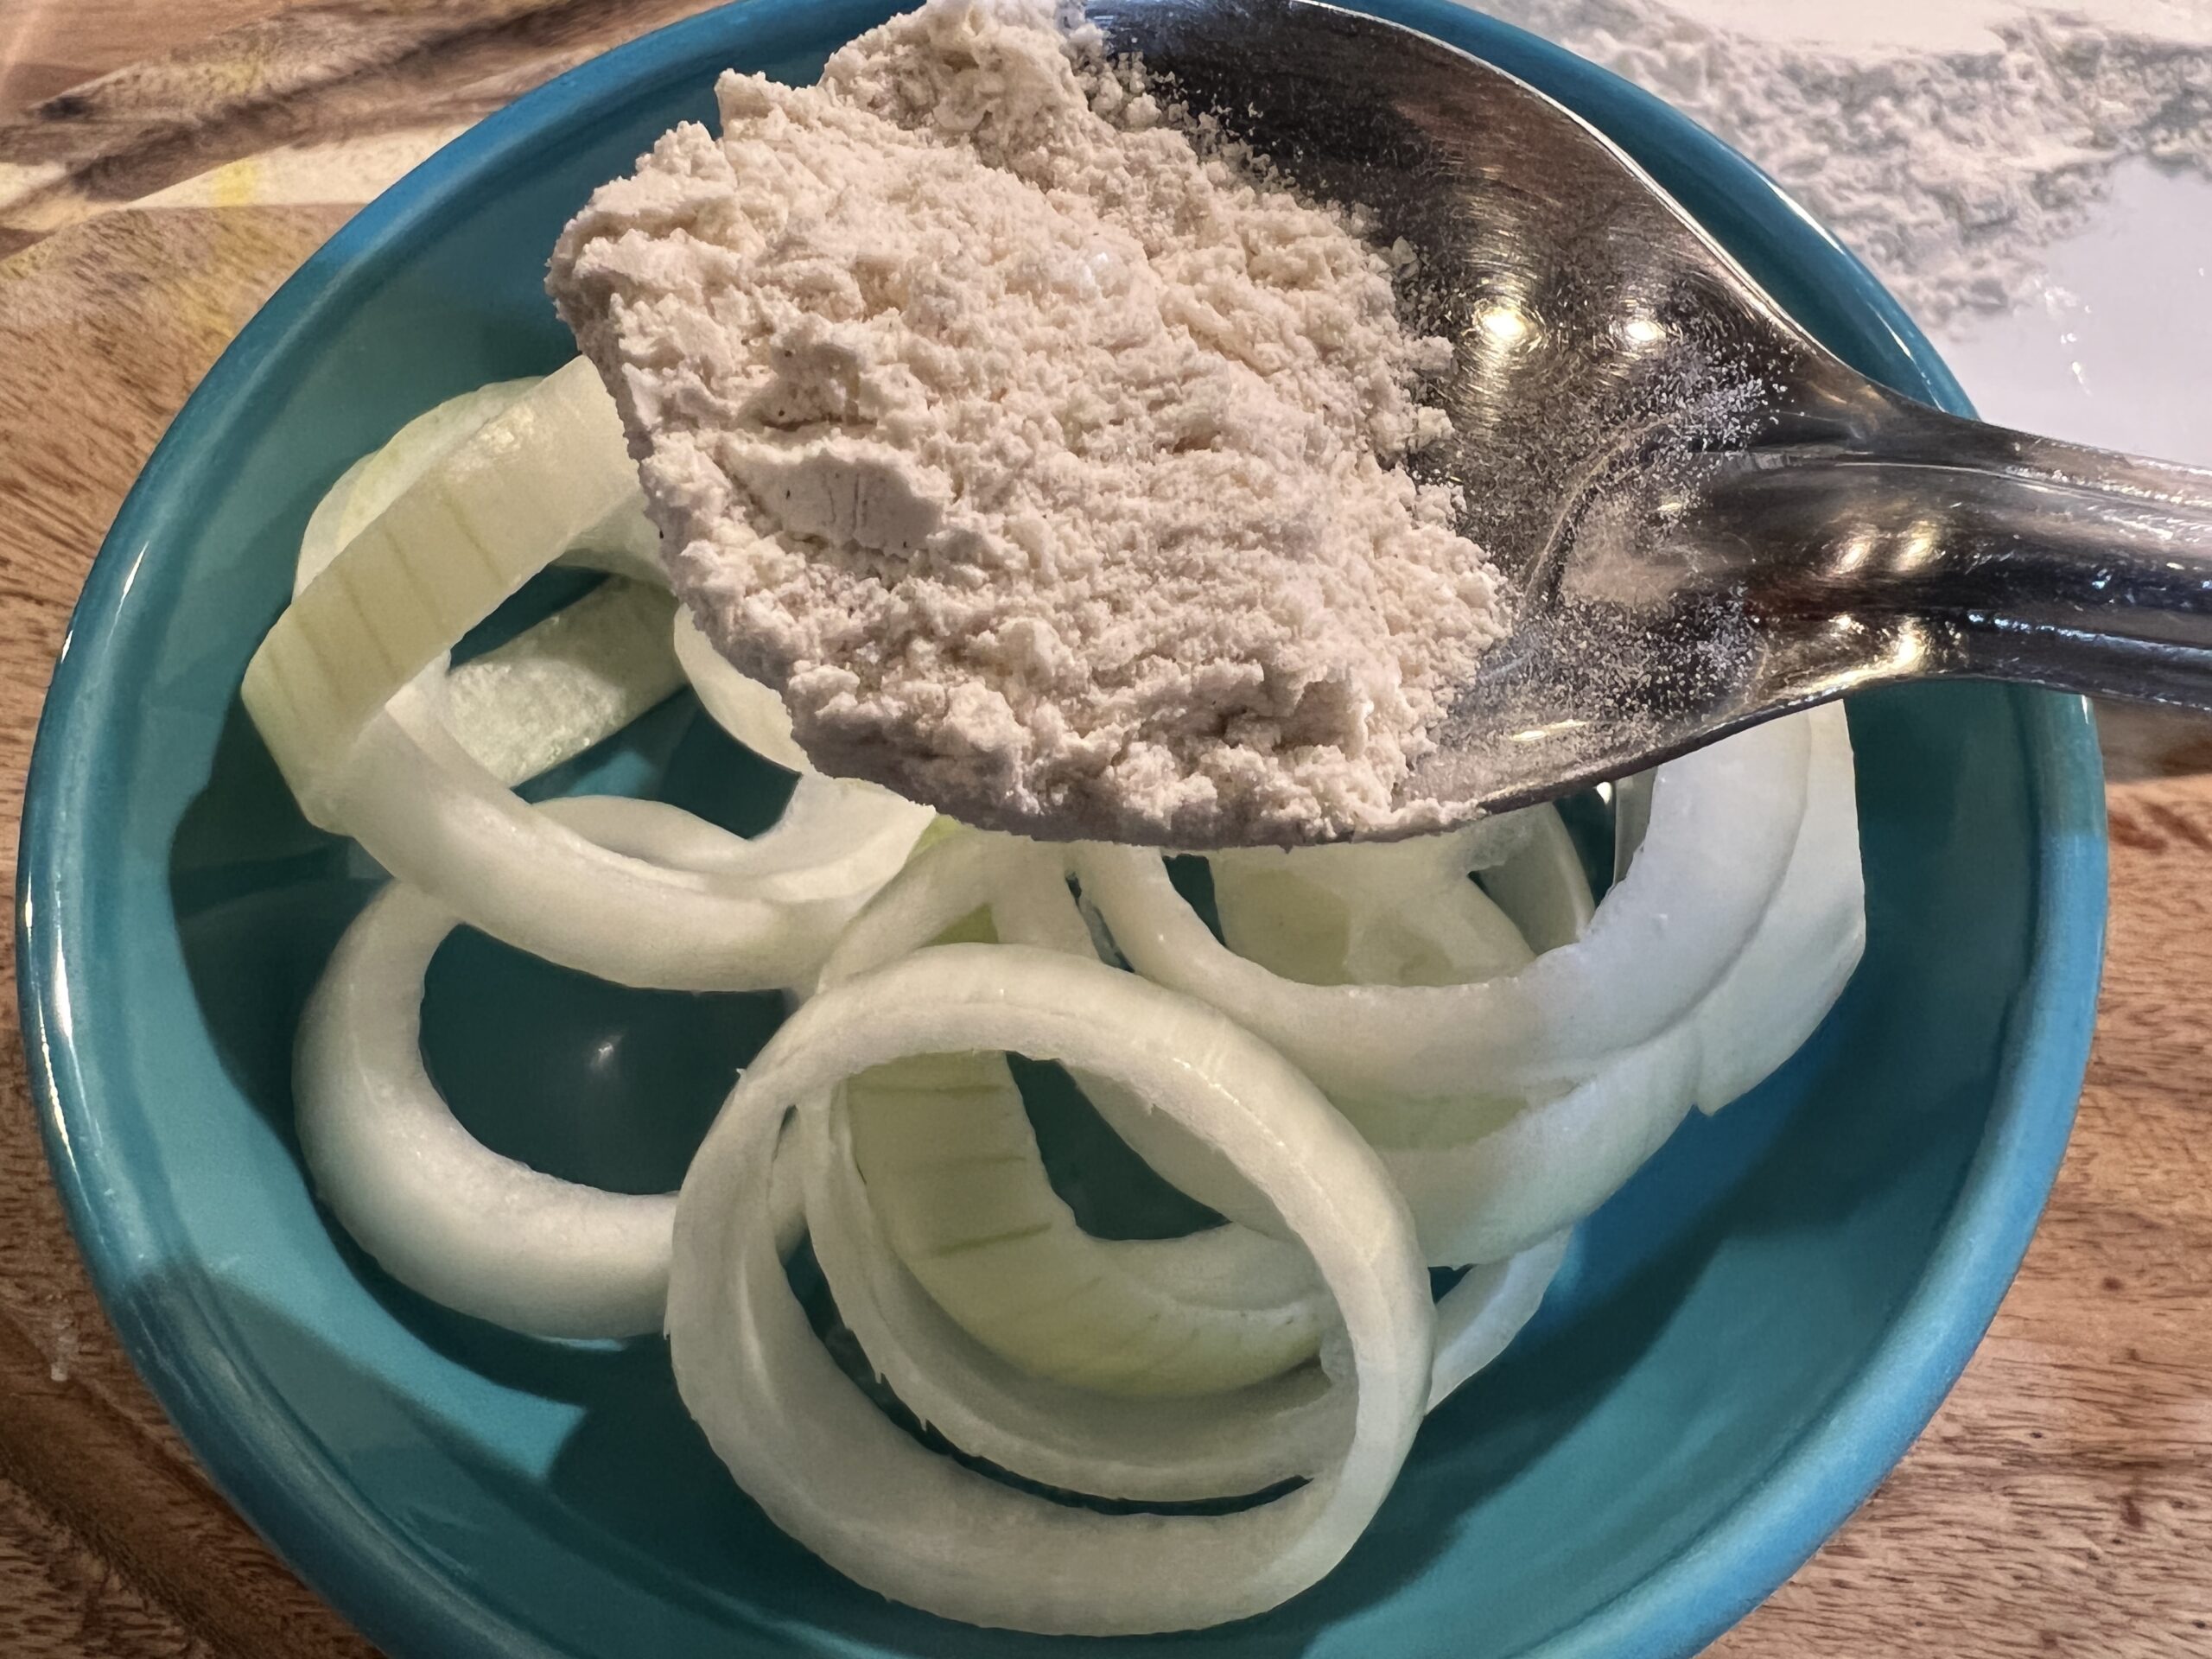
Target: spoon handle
1990 554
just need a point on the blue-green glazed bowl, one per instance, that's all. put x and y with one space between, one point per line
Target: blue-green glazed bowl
1744 1341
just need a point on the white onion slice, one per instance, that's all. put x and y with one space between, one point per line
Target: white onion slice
1038 1428
1404 913
325 534
480 1232
1724 821
444 1214
833 1473
1021 883
1541 887
946 882
734 914
1182 1159
1491 1173
1466 1170
1550 1164
1399 913
1492 1194
622 544
561 687
1139 1448
486 515
745 708
329 686
1142 1449
1149 1450
380 478
1478 1317
1808 942
953 1172
959 1187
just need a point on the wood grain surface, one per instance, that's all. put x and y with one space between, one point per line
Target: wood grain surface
163 165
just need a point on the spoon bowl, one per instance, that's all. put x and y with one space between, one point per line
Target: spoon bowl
1706 518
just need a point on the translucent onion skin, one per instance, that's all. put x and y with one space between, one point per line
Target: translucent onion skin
832 1471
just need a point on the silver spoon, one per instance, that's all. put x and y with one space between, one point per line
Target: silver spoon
1708 519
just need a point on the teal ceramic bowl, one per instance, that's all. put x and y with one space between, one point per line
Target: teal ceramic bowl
1744 1341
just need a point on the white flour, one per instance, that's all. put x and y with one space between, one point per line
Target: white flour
1047 467
1947 141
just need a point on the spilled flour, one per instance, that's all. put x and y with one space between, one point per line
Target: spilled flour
1049 465
1948 144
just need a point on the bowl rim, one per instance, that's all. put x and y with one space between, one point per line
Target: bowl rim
301 1502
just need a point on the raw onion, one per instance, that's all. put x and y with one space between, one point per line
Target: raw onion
954 1173
1540 885
1005 1407
492 512
1500 1053
326 689
1480 1315
562 685
466 1226
745 708
1724 821
828 1467
1140 1448
1808 942
557 689
1402 914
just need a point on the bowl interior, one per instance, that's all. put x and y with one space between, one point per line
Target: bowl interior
1742 1342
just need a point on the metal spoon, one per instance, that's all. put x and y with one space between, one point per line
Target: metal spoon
1708 518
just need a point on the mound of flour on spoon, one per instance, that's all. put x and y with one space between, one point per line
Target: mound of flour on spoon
1049 463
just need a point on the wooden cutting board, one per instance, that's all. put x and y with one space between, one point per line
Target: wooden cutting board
166 164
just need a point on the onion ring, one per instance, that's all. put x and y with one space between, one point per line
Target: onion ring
834 1473
1724 821
328 689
